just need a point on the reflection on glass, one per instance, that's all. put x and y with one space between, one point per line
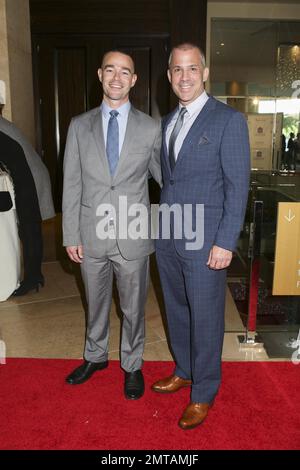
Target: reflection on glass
255 68
287 69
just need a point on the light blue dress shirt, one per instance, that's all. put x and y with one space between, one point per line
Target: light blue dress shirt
122 120
193 109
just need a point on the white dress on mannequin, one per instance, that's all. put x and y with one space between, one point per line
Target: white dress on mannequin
9 243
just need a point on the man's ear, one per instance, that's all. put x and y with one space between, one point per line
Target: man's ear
169 75
99 72
205 74
134 79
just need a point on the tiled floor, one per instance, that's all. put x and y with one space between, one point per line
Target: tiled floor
51 323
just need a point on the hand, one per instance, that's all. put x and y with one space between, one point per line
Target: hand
75 253
219 258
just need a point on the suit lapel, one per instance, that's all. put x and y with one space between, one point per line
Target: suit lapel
166 122
97 130
197 128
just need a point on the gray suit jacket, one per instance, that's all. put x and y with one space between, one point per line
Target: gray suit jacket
38 169
88 183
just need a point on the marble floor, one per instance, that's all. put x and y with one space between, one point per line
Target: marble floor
51 323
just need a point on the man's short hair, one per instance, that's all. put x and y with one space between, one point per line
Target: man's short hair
186 46
119 52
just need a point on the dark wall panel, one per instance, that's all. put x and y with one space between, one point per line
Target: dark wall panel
70 99
188 22
100 16
70 88
69 40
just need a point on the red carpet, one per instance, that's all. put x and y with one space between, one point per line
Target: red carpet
258 407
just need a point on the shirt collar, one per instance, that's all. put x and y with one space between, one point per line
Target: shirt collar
196 105
122 110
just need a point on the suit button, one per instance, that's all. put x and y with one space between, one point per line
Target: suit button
171 181
112 188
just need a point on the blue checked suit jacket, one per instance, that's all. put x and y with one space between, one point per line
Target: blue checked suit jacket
213 169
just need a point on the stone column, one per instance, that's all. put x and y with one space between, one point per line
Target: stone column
4 62
16 64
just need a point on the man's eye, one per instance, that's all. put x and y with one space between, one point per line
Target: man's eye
176 70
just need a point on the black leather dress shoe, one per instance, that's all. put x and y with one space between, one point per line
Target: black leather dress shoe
85 371
134 386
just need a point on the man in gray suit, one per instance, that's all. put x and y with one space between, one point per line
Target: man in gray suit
109 153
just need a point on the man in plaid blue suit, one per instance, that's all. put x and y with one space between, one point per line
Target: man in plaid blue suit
205 164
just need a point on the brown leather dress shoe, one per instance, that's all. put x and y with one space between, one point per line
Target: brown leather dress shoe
193 415
170 384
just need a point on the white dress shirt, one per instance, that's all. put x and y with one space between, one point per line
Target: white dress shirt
193 109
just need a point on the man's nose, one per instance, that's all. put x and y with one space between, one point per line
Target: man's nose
117 74
184 74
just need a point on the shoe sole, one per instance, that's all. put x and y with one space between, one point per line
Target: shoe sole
133 398
191 427
170 391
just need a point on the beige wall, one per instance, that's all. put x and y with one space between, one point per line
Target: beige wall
16 64
248 10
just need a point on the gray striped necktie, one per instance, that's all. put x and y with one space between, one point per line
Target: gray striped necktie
112 142
173 137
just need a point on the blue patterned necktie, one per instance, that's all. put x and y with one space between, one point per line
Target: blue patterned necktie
174 135
112 142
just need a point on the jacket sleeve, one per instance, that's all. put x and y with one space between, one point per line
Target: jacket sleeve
235 162
72 190
155 165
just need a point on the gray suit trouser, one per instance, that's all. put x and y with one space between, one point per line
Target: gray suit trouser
132 282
